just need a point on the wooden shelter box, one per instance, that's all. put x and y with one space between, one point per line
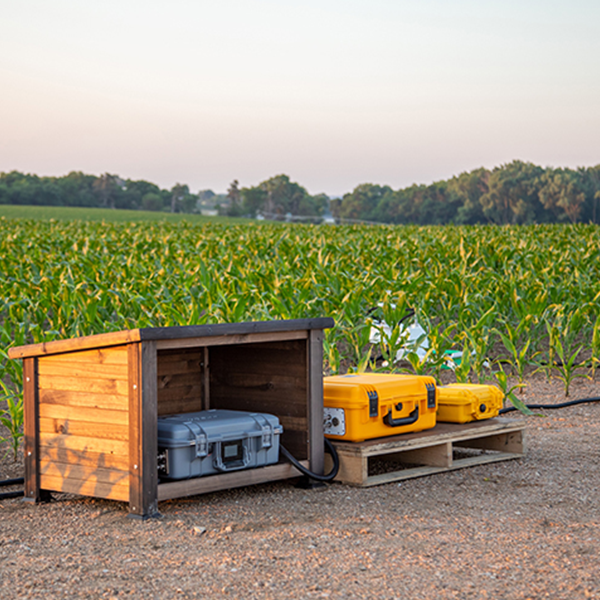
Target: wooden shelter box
91 404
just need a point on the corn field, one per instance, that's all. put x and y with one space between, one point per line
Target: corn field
512 299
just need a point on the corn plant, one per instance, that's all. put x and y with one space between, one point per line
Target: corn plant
595 357
12 417
517 353
469 285
509 392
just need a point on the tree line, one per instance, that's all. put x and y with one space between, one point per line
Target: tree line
105 191
515 193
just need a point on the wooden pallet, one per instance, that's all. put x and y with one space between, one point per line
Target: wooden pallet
446 447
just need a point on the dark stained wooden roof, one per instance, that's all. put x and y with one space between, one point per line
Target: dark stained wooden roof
117 338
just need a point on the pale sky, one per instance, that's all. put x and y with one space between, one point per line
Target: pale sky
333 93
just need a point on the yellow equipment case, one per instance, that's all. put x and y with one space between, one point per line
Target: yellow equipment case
465 402
372 405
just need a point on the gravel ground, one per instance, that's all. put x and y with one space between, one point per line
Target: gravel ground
527 528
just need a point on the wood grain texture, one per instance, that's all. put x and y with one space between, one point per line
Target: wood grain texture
82 443
84 473
88 487
76 384
116 355
143 393
226 333
503 442
101 340
83 413
213 483
85 458
179 381
230 340
81 370
431 451
84 399
68 426
440 433
314 401
30 430
268 377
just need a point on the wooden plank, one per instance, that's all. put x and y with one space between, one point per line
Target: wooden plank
431 451
206 380
180 354
248 379
74 384
258 401
100 340
179 380
227 340
234 330
180 393
83 473
30 430
353 469
190 362
83 413
401 475
188 336
503 442
84 399
84 458
213 483
67 426
471 461
440 433
182 405
84 444
82 370
143 449
294 423
116 355
482 459
115 491
263 360
314 399
439 455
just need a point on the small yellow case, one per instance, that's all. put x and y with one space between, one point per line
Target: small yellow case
465 402
372 405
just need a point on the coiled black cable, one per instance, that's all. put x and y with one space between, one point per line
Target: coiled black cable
303 469
561 405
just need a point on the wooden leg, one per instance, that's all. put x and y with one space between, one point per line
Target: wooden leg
143 476
315 402
354 469
33 493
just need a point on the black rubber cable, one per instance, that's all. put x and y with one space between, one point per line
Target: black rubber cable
17 481
303 469
561 405
6 495
15 494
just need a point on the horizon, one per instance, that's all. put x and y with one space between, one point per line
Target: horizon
333 94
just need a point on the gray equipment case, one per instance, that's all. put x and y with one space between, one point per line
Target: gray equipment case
216 441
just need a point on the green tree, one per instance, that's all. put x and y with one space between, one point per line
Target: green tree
363 202
513 194
106 188
152 201
561 192
470 187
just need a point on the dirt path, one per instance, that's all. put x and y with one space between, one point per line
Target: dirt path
527 528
